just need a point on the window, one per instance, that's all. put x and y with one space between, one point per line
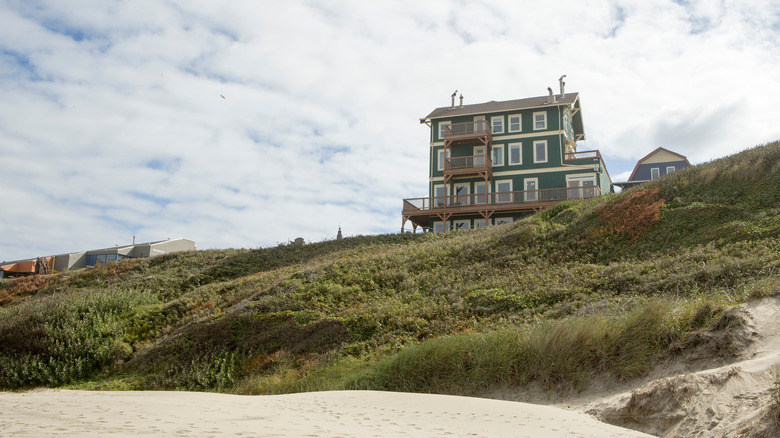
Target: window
481 223
588 188
438 227
515 153
503 220
540 151
440 159
530 189
479 156
442 128
581 186
439 196
655 173
504 191
498 155
540 120
480 124
670 169
480 189
461 193
498 124
463 224
515 123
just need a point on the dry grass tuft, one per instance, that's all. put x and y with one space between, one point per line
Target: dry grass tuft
634 215
21 286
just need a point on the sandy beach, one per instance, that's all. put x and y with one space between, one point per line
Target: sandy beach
45 413
732 399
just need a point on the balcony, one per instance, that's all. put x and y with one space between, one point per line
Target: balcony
593 156
468 166
420 209
476 130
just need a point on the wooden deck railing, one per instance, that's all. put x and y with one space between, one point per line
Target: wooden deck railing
499 200
477 128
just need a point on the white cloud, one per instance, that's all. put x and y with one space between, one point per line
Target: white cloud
112 122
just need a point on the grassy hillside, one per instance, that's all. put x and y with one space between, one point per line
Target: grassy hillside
608 285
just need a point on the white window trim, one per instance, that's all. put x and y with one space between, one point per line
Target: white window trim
492 126
499 181
670 169
512 146
526 193
477 194
500 153
536 128
442 124
477 118
476 153
456 195
658 169
509 126
443 227
435 196
466 222
580 178
440 159
545 151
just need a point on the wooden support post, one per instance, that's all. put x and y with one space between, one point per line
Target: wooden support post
444 218
487 214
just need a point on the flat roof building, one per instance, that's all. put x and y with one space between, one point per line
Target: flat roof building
94 257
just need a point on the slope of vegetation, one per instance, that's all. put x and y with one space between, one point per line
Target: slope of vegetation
608 285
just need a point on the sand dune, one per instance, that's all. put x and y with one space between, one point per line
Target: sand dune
734 399
323 414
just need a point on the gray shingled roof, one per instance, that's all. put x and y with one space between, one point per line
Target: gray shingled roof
507 105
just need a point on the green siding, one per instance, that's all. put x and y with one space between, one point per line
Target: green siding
555 148
553 121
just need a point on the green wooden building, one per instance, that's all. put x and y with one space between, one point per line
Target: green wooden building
496 162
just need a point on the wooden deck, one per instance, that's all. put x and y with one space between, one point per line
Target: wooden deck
421 210
478 129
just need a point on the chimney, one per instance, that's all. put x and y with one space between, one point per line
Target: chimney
550 97
562 84
461 100
452 105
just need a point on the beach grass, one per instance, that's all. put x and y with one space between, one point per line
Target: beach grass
608 285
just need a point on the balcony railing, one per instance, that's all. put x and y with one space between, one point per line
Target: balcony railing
499 200
467 130
472 162
584 155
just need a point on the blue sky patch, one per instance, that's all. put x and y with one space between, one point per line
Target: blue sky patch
162 202
23 63
169 166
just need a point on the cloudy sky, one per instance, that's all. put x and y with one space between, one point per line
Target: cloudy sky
247 123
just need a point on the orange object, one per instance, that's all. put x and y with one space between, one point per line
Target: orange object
26 267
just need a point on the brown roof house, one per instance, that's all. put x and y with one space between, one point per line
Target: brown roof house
654 165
